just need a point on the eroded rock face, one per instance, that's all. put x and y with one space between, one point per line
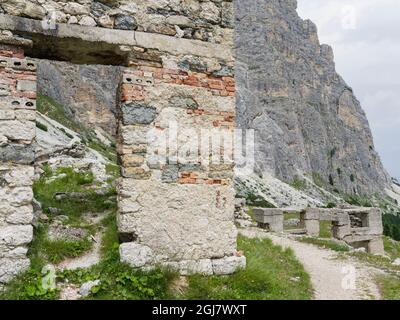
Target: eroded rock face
307 119
89 92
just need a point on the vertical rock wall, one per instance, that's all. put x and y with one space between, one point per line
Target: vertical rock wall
307 119
17 131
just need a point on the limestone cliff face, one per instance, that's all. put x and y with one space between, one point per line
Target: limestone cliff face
307 119
87 92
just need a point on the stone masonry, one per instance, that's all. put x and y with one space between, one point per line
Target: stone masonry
358 227
174 211
17 131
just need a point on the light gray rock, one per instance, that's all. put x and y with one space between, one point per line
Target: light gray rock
86 289
228 265
136 255
396 262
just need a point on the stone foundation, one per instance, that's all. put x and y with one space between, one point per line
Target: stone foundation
17 131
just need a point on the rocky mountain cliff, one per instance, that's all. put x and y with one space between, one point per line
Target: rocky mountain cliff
307 120
88 93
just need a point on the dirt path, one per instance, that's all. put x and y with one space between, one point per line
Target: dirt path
331 278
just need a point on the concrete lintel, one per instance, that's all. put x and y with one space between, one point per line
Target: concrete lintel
160 42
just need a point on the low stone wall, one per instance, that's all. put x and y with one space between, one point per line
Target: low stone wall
17 131
359 227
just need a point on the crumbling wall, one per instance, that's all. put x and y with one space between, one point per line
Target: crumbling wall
172 211
179 214
17 131
192 19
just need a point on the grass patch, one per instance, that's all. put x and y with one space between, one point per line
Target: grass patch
57 250
70 181
107 151
41 126
257 201
389 287
271 273
299 184
325 243
325 229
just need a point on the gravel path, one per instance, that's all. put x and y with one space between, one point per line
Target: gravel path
331 278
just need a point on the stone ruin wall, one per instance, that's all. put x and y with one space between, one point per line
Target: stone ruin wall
17 131
203 20
175 214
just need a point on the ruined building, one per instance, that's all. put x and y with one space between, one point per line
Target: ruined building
177 65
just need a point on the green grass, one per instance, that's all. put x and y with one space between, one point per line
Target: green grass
55 251
299 184
325 229
72 182
325 243
256 201
392 247
41 126
107 151
271 273
389 287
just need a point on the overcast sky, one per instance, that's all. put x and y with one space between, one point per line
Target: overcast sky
365 36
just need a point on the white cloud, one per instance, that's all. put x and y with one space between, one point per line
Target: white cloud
365 38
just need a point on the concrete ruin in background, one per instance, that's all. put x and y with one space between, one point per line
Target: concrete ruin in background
177 69
358 227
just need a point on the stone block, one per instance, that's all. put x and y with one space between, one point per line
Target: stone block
136 173
9 268
136 255
312 227
374 221
17 153
188 267
376 246
341 232
137 113
228 265
26 85
342 219
16 235
271 219
311 214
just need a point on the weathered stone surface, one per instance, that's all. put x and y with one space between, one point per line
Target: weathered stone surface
376 246
9 268
90 96
125 22
86 289
188 222
136 113
228 265
306 118
136 255
16 235
188 267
